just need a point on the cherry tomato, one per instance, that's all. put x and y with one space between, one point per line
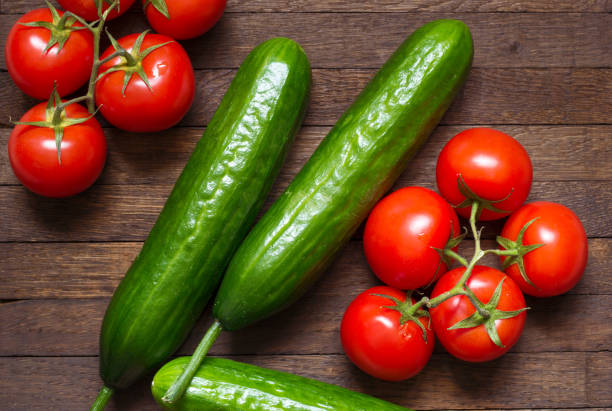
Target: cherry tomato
474 344
402 234
34 70
377 343
88 9
188 18
141 109
493 165
33 154
558 265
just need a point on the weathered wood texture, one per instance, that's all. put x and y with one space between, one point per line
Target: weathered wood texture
579 321
337 40
521 96
87 270
559 153
127 213
576 380
543 74
379 6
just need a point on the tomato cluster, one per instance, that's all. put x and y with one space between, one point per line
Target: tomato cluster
141 83
411 238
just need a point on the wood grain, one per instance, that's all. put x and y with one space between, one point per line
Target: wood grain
542 73
380 6
127 213
65 327
357 40
555 96
559 153
87 270
70 383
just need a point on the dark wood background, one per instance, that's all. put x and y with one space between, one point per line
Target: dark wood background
542 73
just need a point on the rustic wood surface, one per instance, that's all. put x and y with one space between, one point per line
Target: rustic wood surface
542 73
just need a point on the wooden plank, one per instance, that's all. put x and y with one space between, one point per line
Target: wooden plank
545 380
358 40
88 270
559 153
522 96
70 327
380 6
127 213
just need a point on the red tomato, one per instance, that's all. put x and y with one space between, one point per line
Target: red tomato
558 265
493 165
33 154
35 71
377 343
401 235
88 9
188 18
170 75
474 344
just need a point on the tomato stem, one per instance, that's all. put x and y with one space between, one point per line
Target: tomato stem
96 29
460 288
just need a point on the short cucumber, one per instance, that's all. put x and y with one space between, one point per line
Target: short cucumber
356 163
210 210
221 384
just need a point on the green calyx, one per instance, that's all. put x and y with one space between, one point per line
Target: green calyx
519 251
57 119
488 321
60 28
447 255
409 311
131 60
471 197
160 5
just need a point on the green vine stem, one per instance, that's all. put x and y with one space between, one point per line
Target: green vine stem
96 28
55 116
485 314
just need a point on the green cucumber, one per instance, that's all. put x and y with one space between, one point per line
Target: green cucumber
221 384
210 210
356 163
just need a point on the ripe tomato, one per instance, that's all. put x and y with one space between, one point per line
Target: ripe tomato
141 109
401 235
187 18
33 154
493 165
88 9
474 344
557 266
34 70
377 343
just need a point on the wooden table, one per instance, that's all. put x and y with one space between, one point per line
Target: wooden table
542 73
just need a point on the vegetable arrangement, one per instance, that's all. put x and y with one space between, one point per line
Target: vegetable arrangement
208 213
356 163
202 239
476 312
141 83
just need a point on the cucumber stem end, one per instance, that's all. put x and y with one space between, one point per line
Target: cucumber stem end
178 388
102 398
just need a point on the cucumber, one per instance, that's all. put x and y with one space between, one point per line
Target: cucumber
351 169
221 384
356 163
210 210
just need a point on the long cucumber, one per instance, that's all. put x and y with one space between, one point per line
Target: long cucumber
210 210
356 163
221 384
